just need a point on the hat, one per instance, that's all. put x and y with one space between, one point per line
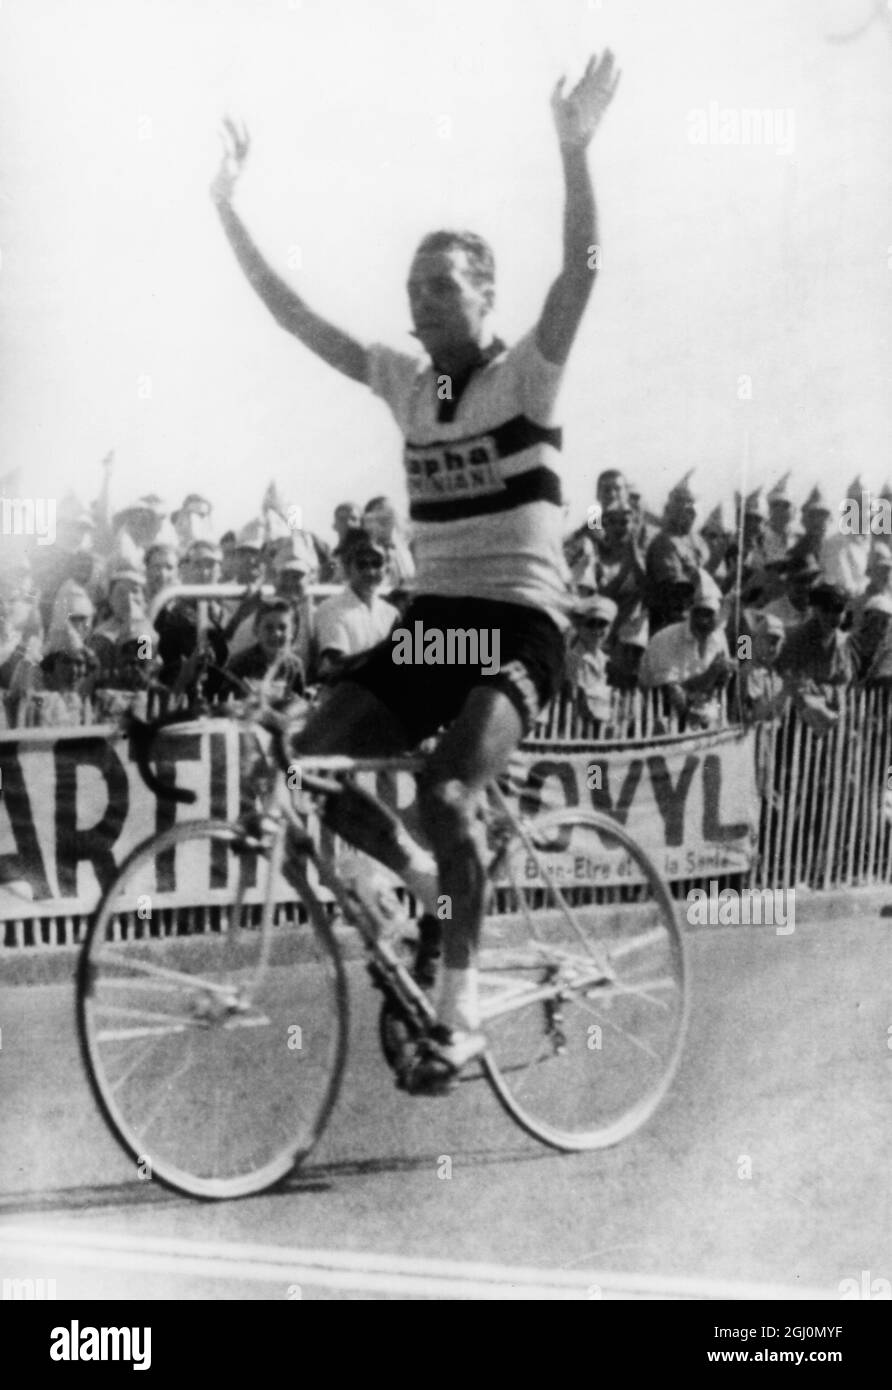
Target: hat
804 567
780 492
275 527
717 520
855 488
886 492
166 537
830 597
707 593
202 544
682 490
598 606
754 505
71 601
133 573
814 502
251 537
65 641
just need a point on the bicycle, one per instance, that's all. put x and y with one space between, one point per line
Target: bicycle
217 1057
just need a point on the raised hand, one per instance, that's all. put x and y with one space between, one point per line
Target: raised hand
578 115
236 144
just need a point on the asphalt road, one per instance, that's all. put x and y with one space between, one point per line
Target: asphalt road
766 1166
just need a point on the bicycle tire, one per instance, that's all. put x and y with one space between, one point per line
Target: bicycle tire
215 1057
585 1064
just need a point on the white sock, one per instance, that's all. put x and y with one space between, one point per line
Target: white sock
458 1006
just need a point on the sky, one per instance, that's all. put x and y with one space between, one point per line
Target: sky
739 326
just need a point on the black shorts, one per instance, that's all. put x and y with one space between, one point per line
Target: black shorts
519 651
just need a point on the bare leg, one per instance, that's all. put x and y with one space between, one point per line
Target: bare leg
474 751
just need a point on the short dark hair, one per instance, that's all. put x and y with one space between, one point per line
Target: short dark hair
271 605
479 252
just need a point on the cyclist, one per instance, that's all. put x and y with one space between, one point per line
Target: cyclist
481 457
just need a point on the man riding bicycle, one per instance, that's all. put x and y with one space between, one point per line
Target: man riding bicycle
481 455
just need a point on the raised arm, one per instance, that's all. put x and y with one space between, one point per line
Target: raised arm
576 117
335 347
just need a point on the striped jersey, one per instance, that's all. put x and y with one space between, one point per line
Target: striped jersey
484 489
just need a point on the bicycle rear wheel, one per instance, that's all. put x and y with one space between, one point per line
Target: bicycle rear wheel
214 1037
584 1001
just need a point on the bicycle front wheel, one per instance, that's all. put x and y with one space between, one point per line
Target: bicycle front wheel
583 981
214 1036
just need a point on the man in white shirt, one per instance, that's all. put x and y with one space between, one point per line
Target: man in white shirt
690 659
353 622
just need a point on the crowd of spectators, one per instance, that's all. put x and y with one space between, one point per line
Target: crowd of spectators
762 605
78 643
756 603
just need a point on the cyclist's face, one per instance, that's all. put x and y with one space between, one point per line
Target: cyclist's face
448 308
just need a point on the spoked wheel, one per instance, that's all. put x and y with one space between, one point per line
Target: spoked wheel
214 1037
583 1001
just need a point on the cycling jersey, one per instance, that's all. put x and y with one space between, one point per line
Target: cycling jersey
483 481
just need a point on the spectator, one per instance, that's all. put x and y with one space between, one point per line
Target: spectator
291 576
879 581
190 635
762 688
271 656
56 694
380 521
162 561
872 642
586 670
73 605
817 660
579 554
674 559
845 557
126 599
227 557
247 569
801 577
779 534
815 519
132 677
689 659
717 538
352 622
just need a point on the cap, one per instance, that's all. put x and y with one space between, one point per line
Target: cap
598 606
707 593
